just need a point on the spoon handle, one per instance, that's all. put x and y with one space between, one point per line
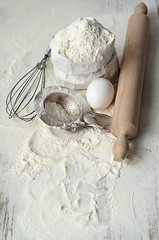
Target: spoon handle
97 120
127 104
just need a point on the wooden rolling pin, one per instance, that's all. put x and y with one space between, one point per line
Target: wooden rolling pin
127 104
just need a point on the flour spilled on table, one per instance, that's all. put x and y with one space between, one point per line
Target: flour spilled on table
68 179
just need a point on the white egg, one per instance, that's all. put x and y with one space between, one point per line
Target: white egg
100 93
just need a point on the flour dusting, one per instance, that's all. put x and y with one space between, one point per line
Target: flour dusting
74 184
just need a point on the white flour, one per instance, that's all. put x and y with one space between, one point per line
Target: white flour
58 112
62 185
75 185
82 40
82 52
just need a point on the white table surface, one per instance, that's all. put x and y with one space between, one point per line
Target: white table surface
13 15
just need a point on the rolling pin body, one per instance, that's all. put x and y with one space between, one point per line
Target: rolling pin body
127 104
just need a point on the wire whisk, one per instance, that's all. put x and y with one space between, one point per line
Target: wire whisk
21 96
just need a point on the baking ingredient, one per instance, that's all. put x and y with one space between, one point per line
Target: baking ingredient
57 112
84 41
100 93
72 176
82 52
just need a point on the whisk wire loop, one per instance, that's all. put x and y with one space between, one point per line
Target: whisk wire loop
21 95
27 93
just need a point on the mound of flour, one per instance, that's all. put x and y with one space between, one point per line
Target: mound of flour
82 52
81 41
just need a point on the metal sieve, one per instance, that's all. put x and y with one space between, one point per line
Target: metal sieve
67 109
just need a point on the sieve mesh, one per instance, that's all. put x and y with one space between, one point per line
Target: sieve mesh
62 107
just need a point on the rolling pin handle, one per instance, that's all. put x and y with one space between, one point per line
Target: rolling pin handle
121 148
141 8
